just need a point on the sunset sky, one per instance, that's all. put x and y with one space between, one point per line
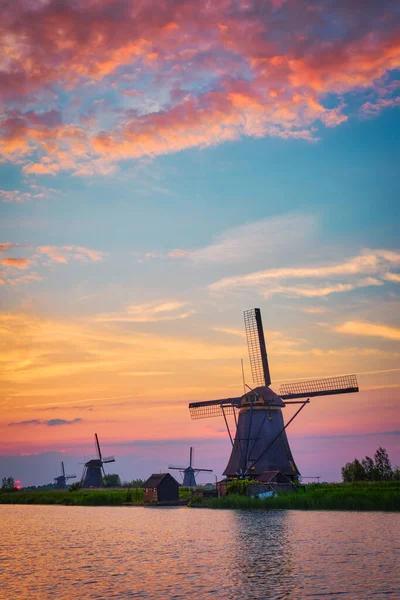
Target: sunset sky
165 165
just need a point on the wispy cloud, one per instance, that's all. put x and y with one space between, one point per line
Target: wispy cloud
229 331
265 238
64 254
370 262
320 291
49 423
369 330
42 257
150 312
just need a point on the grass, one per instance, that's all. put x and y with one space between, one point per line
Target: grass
383 496
104 497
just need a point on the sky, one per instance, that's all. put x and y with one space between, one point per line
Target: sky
166 165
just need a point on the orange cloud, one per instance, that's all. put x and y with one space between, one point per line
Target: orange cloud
16 263
369 329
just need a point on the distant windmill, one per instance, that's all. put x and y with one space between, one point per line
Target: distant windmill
189 473
61 480
93 470
260 444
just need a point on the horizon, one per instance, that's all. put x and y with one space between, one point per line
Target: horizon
157 183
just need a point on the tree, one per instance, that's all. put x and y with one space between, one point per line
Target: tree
396 473
383 465
353 471
8 483
112 480
369 468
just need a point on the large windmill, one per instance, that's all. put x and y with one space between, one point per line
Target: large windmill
93 470
61 480
190 473
260 444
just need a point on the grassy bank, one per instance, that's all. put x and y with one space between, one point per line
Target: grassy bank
105 497
340 496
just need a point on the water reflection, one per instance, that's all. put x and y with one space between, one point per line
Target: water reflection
173 553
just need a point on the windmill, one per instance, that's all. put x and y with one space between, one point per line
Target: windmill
93 469
190 473
61 480
260 444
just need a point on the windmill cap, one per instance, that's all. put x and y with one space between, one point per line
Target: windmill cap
262 395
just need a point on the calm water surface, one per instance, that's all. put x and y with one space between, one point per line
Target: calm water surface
172 553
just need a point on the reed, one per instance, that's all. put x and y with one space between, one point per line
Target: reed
365 497
98 497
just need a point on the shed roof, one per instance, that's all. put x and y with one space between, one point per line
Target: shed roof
155 480
266 476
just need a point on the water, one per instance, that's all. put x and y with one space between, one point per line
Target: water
78 552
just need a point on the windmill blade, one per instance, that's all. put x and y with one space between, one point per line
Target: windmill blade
108 459
190 456
213 408
345 384
203 470
70 476
96 439
62 469
257 348
177 468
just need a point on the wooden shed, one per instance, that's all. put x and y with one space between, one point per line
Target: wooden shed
161 487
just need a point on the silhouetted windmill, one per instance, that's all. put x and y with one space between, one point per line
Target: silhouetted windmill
260 444
189 473
93 470
61 480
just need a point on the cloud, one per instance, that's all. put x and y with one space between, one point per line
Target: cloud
261 238
320 291
59 422
16 263
229 331
49 423
25 423
63 254
150 312
6 246
183 77
392 277
369 330
370 262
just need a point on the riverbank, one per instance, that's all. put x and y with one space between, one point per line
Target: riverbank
381 496
98 497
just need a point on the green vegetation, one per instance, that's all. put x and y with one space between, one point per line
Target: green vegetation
7 484
377 469
112 481
383 496
80 497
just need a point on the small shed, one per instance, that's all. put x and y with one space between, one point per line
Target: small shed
161 487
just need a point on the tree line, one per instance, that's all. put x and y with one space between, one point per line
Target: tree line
378 468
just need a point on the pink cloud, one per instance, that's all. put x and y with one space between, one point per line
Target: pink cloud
201 75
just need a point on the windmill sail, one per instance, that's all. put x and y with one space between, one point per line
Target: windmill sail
257 348
345 384
213 408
